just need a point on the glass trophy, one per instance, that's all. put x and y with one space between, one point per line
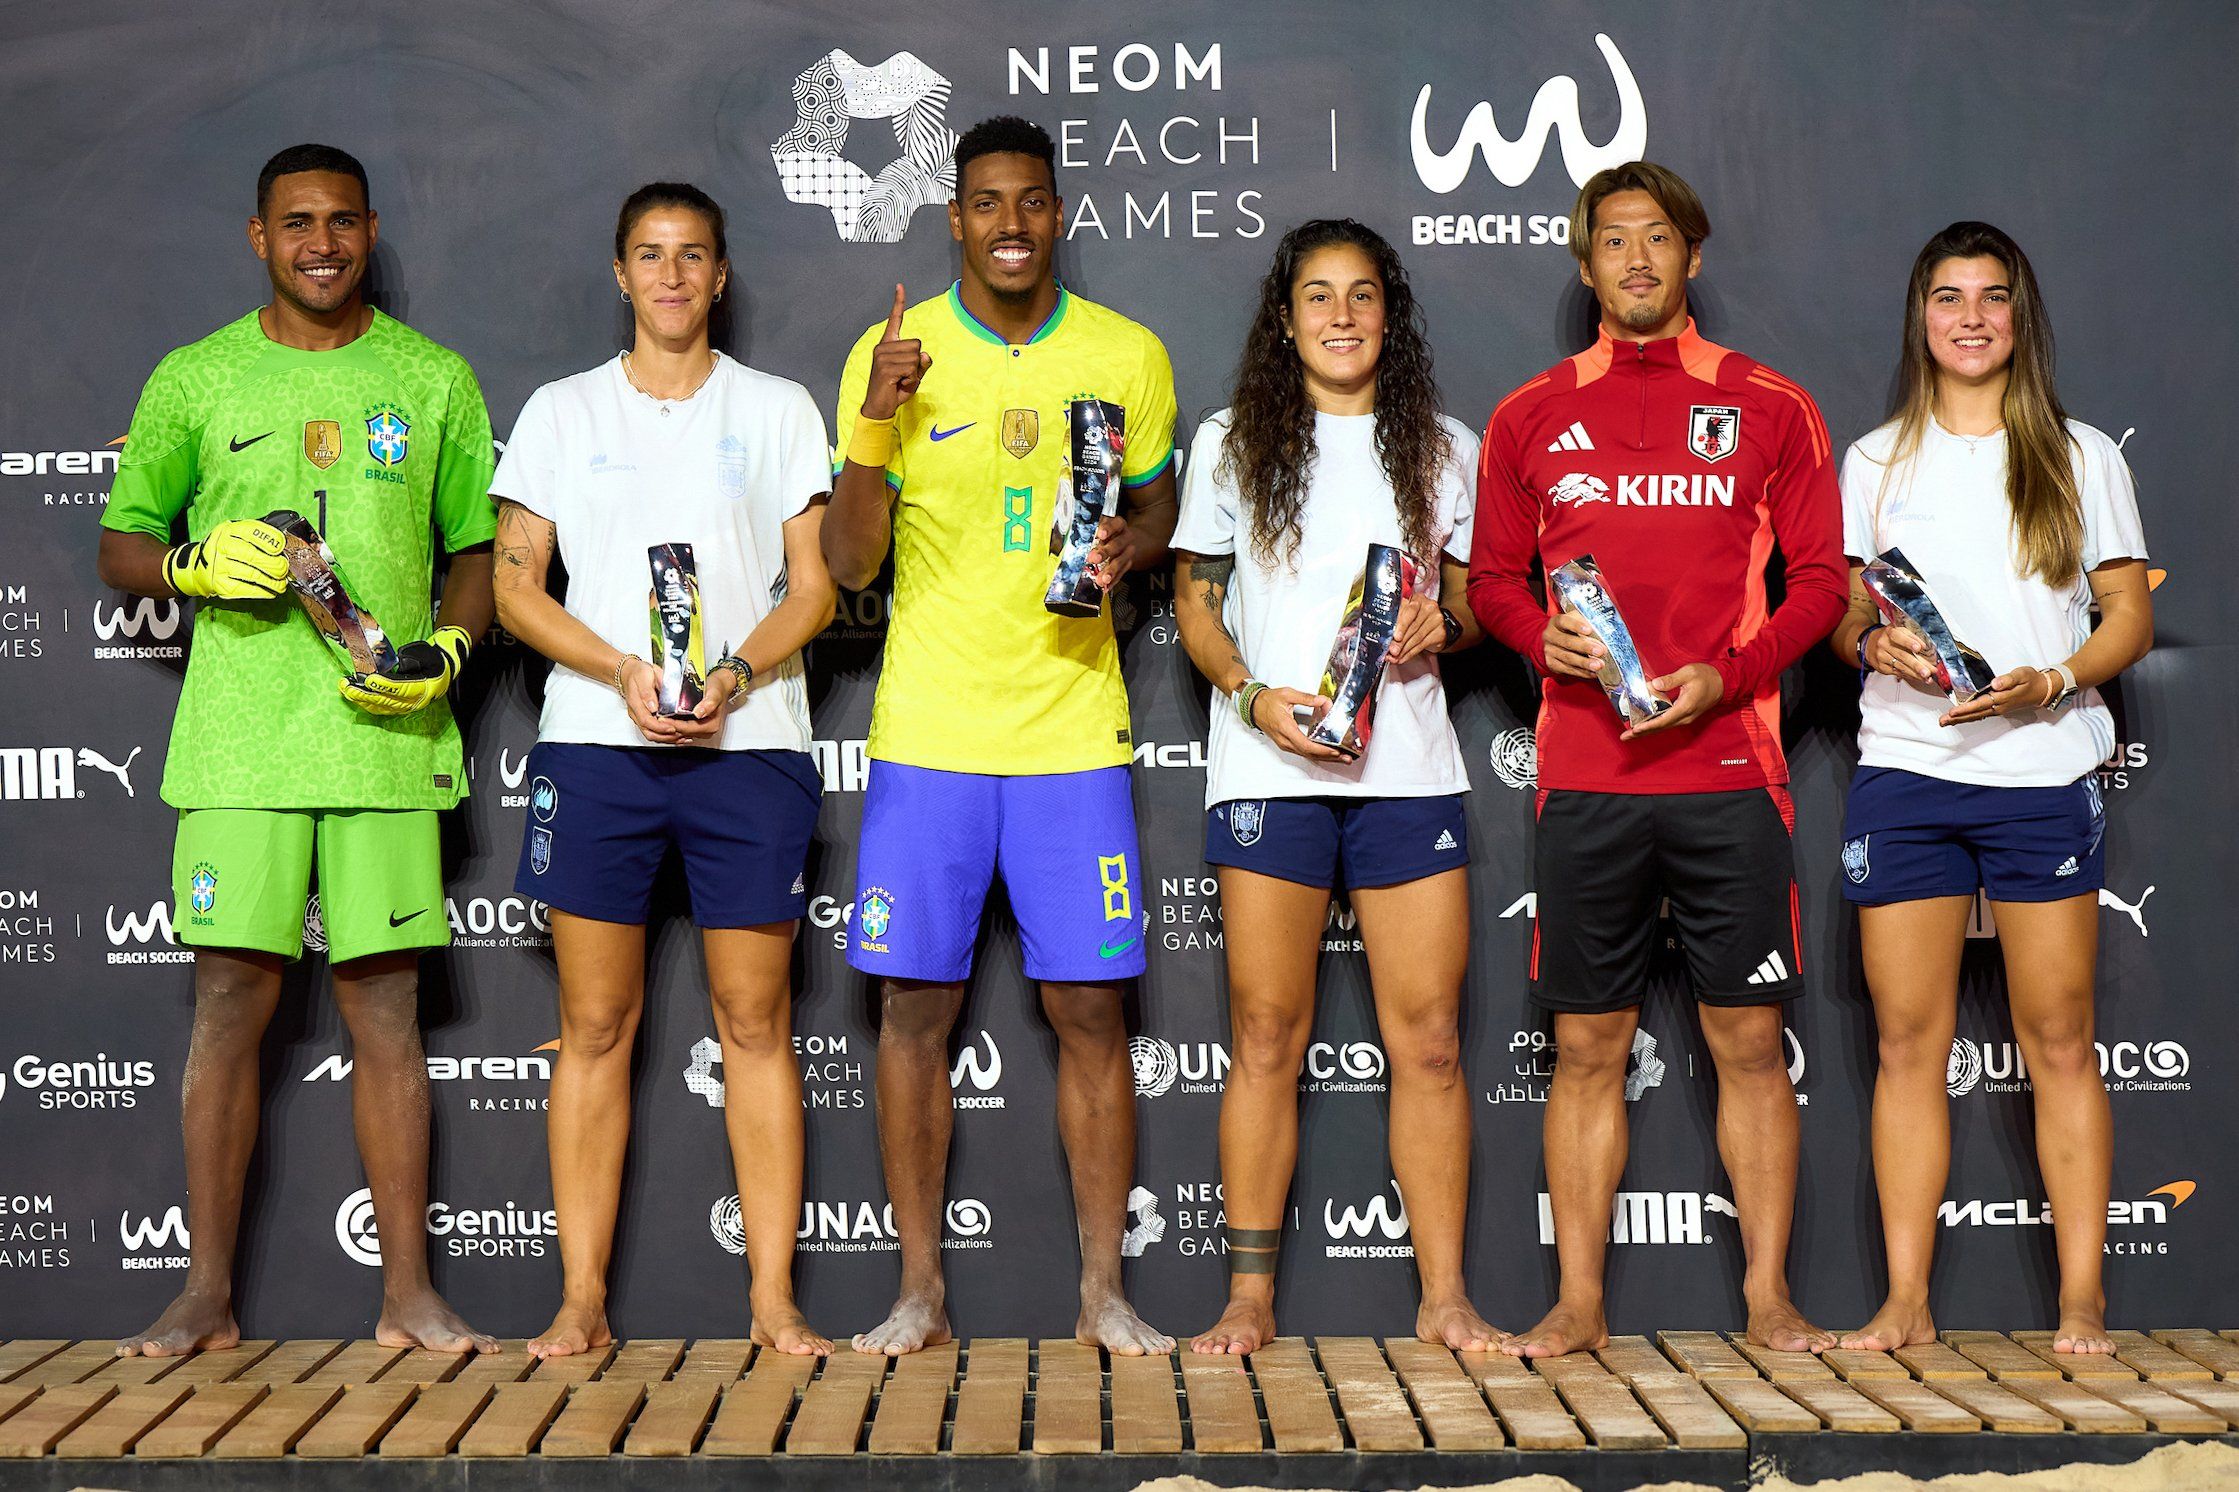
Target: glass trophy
679 656
1581 589
1095 442
1356 659
318 584
1902 598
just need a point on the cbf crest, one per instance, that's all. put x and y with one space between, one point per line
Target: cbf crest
1713 430
1246 817
388 435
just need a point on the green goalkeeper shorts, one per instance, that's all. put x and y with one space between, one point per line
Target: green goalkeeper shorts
242 878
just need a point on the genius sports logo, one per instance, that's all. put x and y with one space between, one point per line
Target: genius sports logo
506 1231
829 96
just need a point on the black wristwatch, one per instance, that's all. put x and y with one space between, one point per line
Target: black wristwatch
1453 626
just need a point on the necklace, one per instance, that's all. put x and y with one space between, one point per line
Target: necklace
630 372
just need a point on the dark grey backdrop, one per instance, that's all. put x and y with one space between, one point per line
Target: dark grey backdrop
1828 142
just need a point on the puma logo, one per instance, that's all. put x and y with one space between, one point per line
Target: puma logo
88 757
2135 911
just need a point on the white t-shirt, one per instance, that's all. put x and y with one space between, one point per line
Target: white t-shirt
1285 618
617 472
1950 515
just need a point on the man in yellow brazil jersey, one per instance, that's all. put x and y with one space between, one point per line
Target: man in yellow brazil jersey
999 738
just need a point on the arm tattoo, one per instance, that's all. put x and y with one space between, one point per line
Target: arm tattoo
516 545
1211 575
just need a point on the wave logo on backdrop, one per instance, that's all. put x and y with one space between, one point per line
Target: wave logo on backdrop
147 625
812 165
1554 108
981 1073
146 1240
1388 1218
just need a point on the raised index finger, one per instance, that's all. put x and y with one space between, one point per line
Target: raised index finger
894 318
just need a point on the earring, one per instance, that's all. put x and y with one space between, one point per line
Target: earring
625 295
719 297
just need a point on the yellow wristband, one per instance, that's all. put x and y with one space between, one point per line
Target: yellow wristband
872 444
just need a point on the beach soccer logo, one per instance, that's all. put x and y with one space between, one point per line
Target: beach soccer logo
811 159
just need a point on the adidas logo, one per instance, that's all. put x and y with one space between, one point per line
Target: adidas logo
1772 971
800 884
2068 867
1573 439
1445 840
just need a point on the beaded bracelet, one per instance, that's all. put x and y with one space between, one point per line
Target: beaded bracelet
1247 694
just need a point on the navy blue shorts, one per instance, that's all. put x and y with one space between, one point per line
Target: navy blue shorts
602 818
932 842
1339 841
1908 837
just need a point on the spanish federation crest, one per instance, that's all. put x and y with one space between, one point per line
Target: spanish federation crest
730 467
322 442
1713 430
540 850
1246 817
387 436
1855 864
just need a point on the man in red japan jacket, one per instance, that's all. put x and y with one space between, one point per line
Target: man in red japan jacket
1678 466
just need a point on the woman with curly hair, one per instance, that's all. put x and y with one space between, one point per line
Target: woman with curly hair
1334 442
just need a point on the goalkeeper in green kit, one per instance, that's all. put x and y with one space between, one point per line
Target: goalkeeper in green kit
284 770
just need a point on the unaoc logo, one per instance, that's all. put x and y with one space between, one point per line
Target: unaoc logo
1554 107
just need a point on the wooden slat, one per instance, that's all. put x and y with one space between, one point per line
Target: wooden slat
2077 1365
2078 1407
425 1366
674 1415
2212 1352
2000 1409
1704 1354
835 1404
129 1372
288 1362
1299 1416
914 1403
2154 1361
118 1425
72 1364
39 1425
2213 1395
355 1426
721 1358
1689 1415
509 1364
1781 1367
224 1365
437 1420
1375 1409
279 1420
2158 1407
1761 1408
514 1420
1626 1356
1068 1398
576 1367
14 1396
754 1409
202 1421
1455 1415
1918 1407
2006 1361
1223 1420
1146 1409
18 1357
1840 1406
1613 1419
1851 1364
360 1362
647 1361
594 1419
1533 1417
1934 1362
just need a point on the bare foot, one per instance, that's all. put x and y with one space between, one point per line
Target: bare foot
578 1327
1567 1328
1455 1324
423 1319
917 1321
1899 1323
2082 1329
192 1323
1777 1324
781 1327
1245 1326
1112 1324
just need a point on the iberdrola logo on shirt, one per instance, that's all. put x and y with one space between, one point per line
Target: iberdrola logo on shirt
388 438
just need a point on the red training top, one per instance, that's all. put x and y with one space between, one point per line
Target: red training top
1677 465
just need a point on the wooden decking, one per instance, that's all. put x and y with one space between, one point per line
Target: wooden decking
1062 1409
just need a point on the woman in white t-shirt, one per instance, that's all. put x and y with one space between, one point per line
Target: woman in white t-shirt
1334 442
2019 520
679 487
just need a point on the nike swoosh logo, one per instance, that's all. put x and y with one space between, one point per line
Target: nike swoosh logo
940 434
396 921
1106 950
238 444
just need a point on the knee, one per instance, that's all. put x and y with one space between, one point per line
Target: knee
231 1010
915 1017
2060 1049
1596 1062
1428 1045
1083 1018
1752 1058
594 1035
1909 1045
754 1025
1269 1040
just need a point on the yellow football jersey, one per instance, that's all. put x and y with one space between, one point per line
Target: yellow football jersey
978 676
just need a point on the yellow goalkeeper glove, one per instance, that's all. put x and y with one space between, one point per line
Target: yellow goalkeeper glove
240 560
424 670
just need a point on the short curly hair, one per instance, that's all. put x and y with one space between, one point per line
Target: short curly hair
1005 134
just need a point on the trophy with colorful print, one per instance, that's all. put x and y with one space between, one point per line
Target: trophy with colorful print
1095 441
318 584
679 655
1364 640
1902 598
1581 589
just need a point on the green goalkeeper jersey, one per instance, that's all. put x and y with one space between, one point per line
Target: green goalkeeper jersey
393 431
